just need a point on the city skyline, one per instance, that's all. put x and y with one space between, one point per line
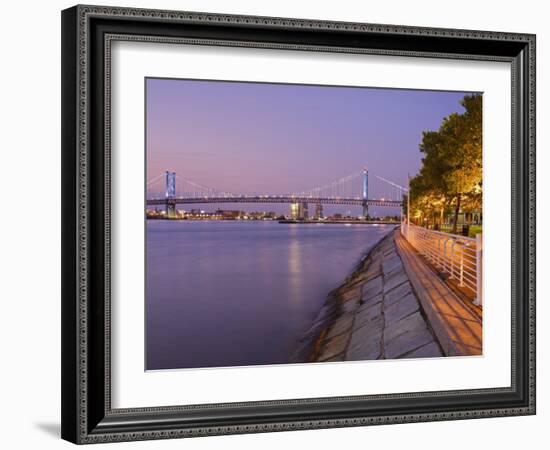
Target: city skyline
275 138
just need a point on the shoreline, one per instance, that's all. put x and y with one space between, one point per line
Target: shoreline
308 346
339 222
376 313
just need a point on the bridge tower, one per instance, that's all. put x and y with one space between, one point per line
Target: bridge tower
170 194
365 192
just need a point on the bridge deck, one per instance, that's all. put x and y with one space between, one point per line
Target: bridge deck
276 199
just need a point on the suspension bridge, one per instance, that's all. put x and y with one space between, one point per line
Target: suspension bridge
357 189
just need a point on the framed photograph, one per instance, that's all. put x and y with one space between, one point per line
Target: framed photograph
278 224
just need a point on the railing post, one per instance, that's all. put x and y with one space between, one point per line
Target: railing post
479 270
445 258
461 279
453 259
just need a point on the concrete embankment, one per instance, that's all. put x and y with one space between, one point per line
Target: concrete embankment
374 314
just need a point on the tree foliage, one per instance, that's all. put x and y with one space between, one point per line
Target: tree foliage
451 172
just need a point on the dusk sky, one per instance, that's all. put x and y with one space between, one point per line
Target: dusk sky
251 138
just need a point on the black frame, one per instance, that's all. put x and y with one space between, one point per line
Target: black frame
87 31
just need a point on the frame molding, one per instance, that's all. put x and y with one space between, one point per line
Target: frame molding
87 33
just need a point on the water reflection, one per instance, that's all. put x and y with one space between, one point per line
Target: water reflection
295 268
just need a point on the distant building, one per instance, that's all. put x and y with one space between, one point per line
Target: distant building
318 210
303 211
294 211
299 211
229 214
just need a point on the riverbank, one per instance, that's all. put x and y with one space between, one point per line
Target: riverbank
374 314
340 222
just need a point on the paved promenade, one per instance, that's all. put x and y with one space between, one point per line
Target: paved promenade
385 310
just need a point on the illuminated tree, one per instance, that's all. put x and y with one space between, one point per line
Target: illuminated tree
451 173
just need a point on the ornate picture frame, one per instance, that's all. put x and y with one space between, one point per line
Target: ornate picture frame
88 33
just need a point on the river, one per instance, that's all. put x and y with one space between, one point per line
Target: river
223 293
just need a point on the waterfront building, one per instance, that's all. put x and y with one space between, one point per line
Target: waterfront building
229 214
294 211
318 211
303 211
299 211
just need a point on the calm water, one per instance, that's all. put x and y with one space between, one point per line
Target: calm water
241 293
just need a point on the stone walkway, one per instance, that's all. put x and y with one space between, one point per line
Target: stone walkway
374 314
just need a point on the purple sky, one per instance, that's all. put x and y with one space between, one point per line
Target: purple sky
274 138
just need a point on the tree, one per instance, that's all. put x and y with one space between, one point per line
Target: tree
451 172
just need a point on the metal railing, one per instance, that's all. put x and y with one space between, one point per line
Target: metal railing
459 257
